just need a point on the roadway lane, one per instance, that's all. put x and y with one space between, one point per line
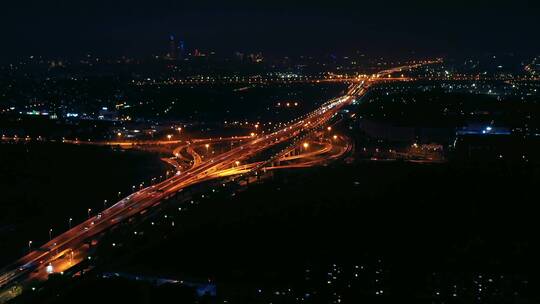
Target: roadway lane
76 238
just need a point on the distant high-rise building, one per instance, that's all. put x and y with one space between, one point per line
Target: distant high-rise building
239 56
181 49
256 58
197 53
173 51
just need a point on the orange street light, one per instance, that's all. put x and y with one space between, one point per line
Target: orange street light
169 136
306 145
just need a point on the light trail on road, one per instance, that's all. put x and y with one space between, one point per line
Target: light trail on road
34 265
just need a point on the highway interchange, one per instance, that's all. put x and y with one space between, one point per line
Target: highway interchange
72 246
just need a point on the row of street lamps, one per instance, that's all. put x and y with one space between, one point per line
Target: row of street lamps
89 211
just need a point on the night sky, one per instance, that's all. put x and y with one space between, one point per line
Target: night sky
139 28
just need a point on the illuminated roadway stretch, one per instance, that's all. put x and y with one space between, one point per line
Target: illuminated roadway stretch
34 264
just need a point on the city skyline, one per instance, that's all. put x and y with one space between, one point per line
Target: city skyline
137 28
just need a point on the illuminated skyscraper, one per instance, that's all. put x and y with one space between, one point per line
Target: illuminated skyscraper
181 49
173 49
